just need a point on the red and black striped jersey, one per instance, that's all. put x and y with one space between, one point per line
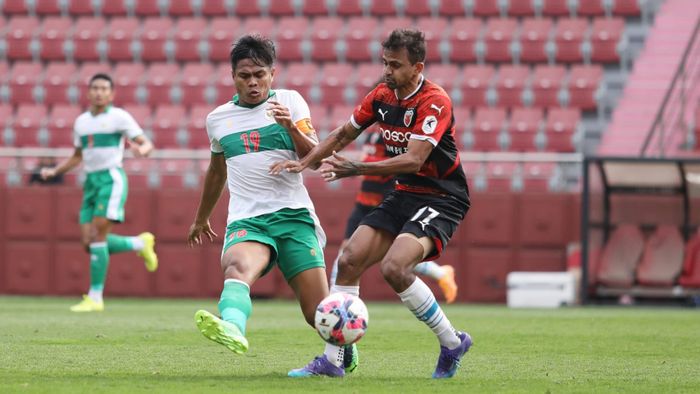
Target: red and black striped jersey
426 115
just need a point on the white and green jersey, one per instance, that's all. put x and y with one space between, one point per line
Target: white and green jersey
251 141
101 137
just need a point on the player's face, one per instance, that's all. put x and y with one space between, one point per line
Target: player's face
252 81
398 70
100 93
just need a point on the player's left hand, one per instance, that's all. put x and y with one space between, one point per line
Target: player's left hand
338 167
136 149
280 113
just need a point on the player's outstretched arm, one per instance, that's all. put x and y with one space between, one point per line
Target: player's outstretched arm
304 140
407 163
140 146
336 141
214 182
65 166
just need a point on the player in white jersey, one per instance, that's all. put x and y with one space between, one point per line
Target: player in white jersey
99 135
271 219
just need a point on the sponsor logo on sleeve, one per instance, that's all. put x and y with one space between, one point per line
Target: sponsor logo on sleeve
429 124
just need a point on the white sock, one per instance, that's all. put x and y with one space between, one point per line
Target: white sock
352 290
420 300
136 243
95 294
334 270
430 269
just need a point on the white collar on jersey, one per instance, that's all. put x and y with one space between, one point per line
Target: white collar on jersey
420 83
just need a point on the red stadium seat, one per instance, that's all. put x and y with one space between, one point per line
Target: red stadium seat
121 33
620 256
159 82
259 25
486 8
382 8
359 36
500 176
141 113
315 8
569 36
182 8
546 83
23 79
87 33
167 121
626 8
47 7
301 77
418 8
216 8
247 8
556 8
487 126
340 115
5 119
224 84
662 260
445 75
81 8
280 8
605 36
334 81
452 8
54 32
498 38
524 125
584 82
690 276
147 8
291 31
349 8
533 39
510 85
28 120
153 36
434 30
325 32
197 127
57 79
60 125
20 32
14 7
222 33
114 8
195 80
127 79
475 82
368 75
462 117
590 8
319 117
521 8
536 177
188 36
560 128
464 33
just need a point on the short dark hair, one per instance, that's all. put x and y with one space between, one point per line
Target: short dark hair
102 76
412 40
255 47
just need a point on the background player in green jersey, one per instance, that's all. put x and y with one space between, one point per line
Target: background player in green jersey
99 135
271 219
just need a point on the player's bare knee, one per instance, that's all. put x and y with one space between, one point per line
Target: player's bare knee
309 314
395 273
349 264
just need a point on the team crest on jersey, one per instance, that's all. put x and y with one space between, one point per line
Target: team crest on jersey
408 117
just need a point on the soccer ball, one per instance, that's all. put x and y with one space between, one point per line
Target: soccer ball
341 319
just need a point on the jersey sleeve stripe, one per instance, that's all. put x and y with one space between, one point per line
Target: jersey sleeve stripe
424 138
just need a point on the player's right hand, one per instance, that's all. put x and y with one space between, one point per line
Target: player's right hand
47 173
286 165
196 230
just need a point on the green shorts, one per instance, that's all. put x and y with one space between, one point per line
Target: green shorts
104 195
290 234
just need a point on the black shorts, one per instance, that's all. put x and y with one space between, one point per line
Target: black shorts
358 213
422 215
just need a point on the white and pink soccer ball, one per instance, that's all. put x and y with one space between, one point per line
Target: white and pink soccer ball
341 319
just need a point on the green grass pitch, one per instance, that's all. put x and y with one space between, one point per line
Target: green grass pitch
153 346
